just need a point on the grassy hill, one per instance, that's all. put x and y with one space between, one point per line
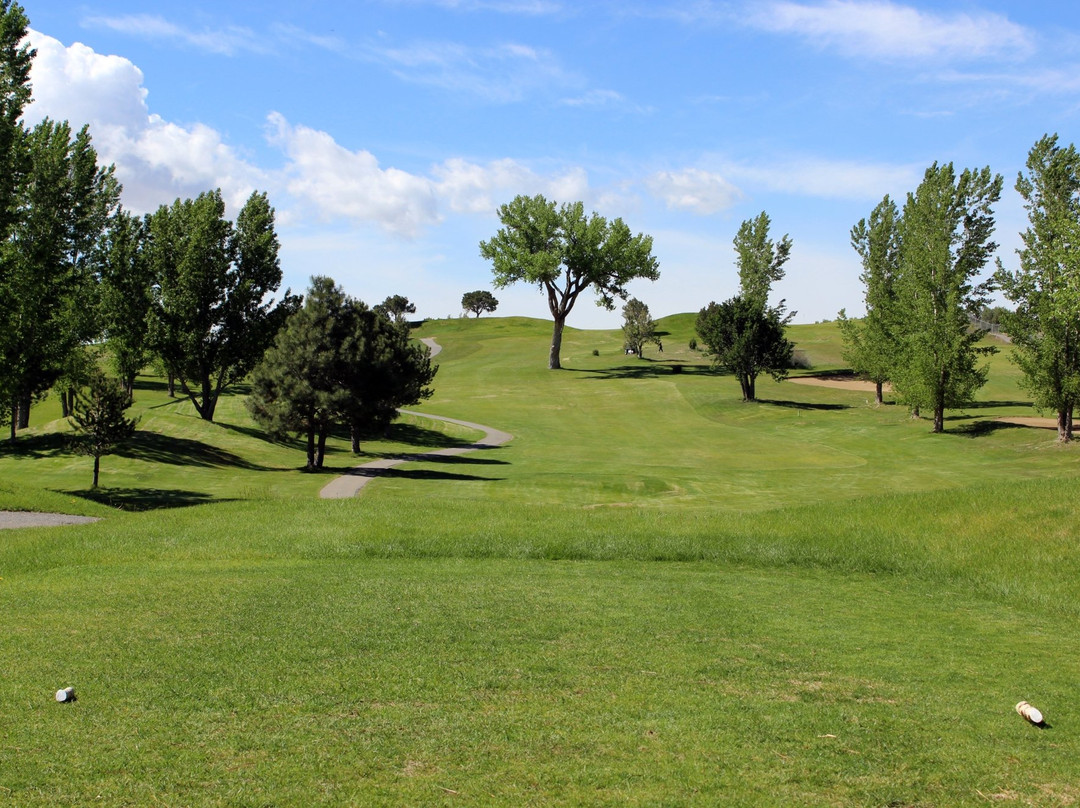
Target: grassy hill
654 594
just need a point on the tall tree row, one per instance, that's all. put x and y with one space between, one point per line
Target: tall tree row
1045 327
921 273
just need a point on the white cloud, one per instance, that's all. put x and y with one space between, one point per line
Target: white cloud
692 189
828 179
886 30
227 41
500 73
532 8
155 160
339 183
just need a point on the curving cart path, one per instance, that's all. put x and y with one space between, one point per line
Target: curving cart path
348 485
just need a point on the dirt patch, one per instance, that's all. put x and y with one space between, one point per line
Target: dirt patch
1029 420
13 519
840 383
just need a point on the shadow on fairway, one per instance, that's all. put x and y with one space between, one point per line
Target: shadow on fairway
420 474
144 499
985 405
51 443
157 448
979 428
646 369
803 405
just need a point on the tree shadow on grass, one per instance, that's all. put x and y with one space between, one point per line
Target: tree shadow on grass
144 499
157 448
420 474
985 405
803 405
45 445
646 369
981 427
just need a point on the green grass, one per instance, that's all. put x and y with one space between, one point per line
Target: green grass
655 594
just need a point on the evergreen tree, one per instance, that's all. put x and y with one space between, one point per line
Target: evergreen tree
1045 328
99 421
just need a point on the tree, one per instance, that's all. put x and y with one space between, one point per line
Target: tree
63 201
747 339
396 306
565 252
870 346
99 421
479 302
759 259
211 319
126 296
638 326
336 361
1045 328
944 243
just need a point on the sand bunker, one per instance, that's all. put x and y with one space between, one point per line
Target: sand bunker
13 519
840 383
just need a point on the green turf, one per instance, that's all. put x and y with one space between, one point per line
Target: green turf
655 594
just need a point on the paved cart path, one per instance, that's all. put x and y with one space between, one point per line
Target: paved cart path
348 485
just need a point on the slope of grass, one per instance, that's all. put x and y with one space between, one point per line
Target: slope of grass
654 595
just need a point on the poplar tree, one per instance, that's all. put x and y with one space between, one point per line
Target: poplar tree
944 244
870 345
1045 328
125 295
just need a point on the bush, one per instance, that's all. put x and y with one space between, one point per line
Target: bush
693 344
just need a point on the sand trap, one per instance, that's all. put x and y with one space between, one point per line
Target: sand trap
840 383
1029 420
13 519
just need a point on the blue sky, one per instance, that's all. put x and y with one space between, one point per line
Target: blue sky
388 132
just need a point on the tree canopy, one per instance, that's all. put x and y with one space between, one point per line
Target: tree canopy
746 339
870 345
211 319
337 361
944 243
1045 328
563 251
479 302
638 326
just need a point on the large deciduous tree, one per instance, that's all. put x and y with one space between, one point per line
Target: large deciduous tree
564 252
62 204
479 302
1045 328
944 244
746 339
870 345
126 296
337 361
638 326
745 335
212 318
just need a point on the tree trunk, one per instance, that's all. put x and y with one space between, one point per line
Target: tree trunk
1064 423
97 466
310 449
556 344
746 382
14 417
877 389
354 436
209 400
320 452
24 410
172 386
65 410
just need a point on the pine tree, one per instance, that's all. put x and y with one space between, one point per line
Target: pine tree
99 421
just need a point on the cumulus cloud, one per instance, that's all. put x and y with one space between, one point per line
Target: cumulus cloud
695 190
155 160
886 30
339 183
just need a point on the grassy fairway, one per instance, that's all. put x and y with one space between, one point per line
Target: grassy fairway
654 595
